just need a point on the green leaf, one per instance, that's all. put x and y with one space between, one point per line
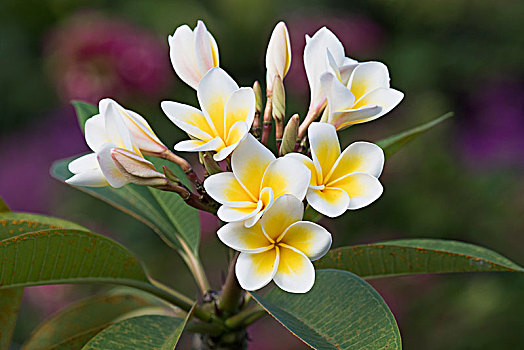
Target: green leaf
3 207
14 224
165 212
393 143
341 311
415 256
144 332
84 111
66 256
171 341
81 321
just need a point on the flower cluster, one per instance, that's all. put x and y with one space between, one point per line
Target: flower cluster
260 196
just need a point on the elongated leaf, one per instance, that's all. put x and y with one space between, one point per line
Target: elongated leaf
144 332
415 256
393 143
84 111
341 312
13 224
3 207
66 256
80 321
165 213
171 341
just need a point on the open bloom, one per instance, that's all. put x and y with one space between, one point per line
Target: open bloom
365 96
278 54
316 63
116 160
226 116
256 181
193 53
340 181
279 247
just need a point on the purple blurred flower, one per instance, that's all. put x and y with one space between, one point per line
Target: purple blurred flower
360 35
93 56
492 132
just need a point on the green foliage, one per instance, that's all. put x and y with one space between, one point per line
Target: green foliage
13 224
84 111
171 341
341 312
73 326
415 256
393 143
144 332
66 256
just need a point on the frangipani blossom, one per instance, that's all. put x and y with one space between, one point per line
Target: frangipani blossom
257 180
278 54
116 160
364 97
193 53
316 63
279 247
226 117
340 181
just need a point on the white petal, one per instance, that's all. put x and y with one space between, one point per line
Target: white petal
362 189
199 146
278 54
203 48
255 271
329 201
295 273
225 189
143 136
367 77
95 132
311 239
240 107
249 162
116 129
111 172
183 57
314 181
344 119
235 214
339 96
237 134
189 119
325 148
285 210
89 178
386 98
287 176
84 163
264 203
236 236
359 157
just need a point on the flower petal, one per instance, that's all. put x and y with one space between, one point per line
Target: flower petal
325 148
286 210
329 201
183 57
237 134
199 146
225 189
111 172
367 77
235 235
344 119
116 130
295 273
311 239
240 107
255 271
204 43
287 176
213 91
363 189
359 157
84 163
339 96
240 213
309 164
278 54
95 132
384 97
89 178
249 162
189 119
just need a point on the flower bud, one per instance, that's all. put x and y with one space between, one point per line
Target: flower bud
258 97
278 55
210 164
137 170
290 135
279 99
170 174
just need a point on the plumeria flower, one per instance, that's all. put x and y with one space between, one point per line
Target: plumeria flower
257 180
279 247
226 117
364 97
143 136
278 54
116 160
316 63
340 181
193 53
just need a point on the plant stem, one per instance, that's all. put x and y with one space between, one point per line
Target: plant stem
267 120
246 317
196 268
231 291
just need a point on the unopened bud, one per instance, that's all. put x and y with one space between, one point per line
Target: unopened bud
258 97
170 174
290 135
137 169
210 164
279 99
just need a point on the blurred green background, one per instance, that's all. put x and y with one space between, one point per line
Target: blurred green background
463 180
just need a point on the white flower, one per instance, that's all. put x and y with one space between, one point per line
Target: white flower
116 158
340 181
316 63
226 116
256 181
193 53
279 247
364 97
278 54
